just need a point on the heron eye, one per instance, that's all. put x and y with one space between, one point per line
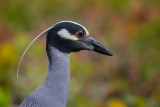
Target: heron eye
80 34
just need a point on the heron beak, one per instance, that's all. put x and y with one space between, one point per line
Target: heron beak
97 47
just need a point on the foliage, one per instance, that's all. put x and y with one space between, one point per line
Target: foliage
129 28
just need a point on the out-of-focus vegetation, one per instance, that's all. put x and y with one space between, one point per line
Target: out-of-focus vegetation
129 28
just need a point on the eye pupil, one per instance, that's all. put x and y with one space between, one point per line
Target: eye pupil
80 34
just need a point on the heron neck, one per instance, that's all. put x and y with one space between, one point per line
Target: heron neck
58 77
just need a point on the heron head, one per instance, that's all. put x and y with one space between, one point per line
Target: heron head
69 37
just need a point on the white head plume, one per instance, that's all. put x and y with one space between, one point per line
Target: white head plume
40 35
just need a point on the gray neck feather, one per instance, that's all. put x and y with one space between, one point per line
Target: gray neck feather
54 91
57 81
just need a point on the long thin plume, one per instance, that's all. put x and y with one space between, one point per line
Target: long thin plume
40 35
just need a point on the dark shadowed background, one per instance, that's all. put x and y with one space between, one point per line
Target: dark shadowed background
129 28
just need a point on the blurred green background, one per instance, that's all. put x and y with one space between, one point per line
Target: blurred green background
129 28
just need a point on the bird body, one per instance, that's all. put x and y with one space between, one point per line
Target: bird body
54 91
62 39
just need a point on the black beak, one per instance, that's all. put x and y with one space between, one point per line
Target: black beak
100 48
97 47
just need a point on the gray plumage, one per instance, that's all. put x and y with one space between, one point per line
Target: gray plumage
54 91
62 39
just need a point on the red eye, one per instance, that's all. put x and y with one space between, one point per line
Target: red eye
80 34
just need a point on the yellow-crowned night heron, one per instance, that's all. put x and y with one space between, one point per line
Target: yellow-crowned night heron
62 38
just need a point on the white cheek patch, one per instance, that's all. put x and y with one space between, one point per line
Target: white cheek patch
63 33
87 32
